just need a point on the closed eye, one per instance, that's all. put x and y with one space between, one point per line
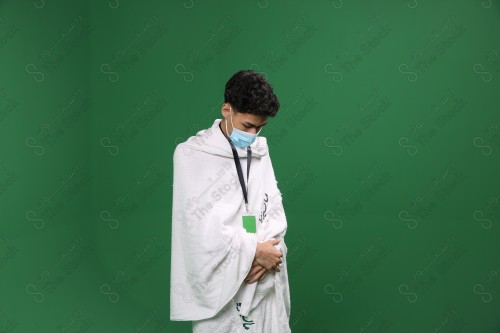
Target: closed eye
247 125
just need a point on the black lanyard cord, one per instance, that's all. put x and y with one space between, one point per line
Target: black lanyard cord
240 173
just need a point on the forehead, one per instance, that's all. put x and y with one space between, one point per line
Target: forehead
251 118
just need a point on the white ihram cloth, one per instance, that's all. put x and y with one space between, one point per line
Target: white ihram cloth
211 251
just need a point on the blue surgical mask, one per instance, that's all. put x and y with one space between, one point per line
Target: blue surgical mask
241 138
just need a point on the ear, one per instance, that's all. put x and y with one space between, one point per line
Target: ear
225 110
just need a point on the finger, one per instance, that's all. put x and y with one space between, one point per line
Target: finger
275 241
256 277
263 276
254 271
255 263
261 265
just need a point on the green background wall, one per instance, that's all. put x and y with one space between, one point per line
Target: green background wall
386 149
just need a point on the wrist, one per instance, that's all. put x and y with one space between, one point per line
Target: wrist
258 250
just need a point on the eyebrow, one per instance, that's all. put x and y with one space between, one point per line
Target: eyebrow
246 123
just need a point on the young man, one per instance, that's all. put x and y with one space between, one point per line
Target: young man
228 259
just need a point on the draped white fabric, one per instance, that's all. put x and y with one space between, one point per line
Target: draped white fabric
211 251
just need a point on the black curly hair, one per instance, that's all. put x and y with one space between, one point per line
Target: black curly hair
249 92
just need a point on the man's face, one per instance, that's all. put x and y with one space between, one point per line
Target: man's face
246 122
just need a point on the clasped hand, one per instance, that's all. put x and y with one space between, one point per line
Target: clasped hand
267 257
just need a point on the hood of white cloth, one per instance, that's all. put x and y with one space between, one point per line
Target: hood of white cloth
212 141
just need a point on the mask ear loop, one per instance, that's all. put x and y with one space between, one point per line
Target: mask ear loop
258 137
231 115
227 133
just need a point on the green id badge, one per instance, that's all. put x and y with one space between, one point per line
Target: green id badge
249 224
